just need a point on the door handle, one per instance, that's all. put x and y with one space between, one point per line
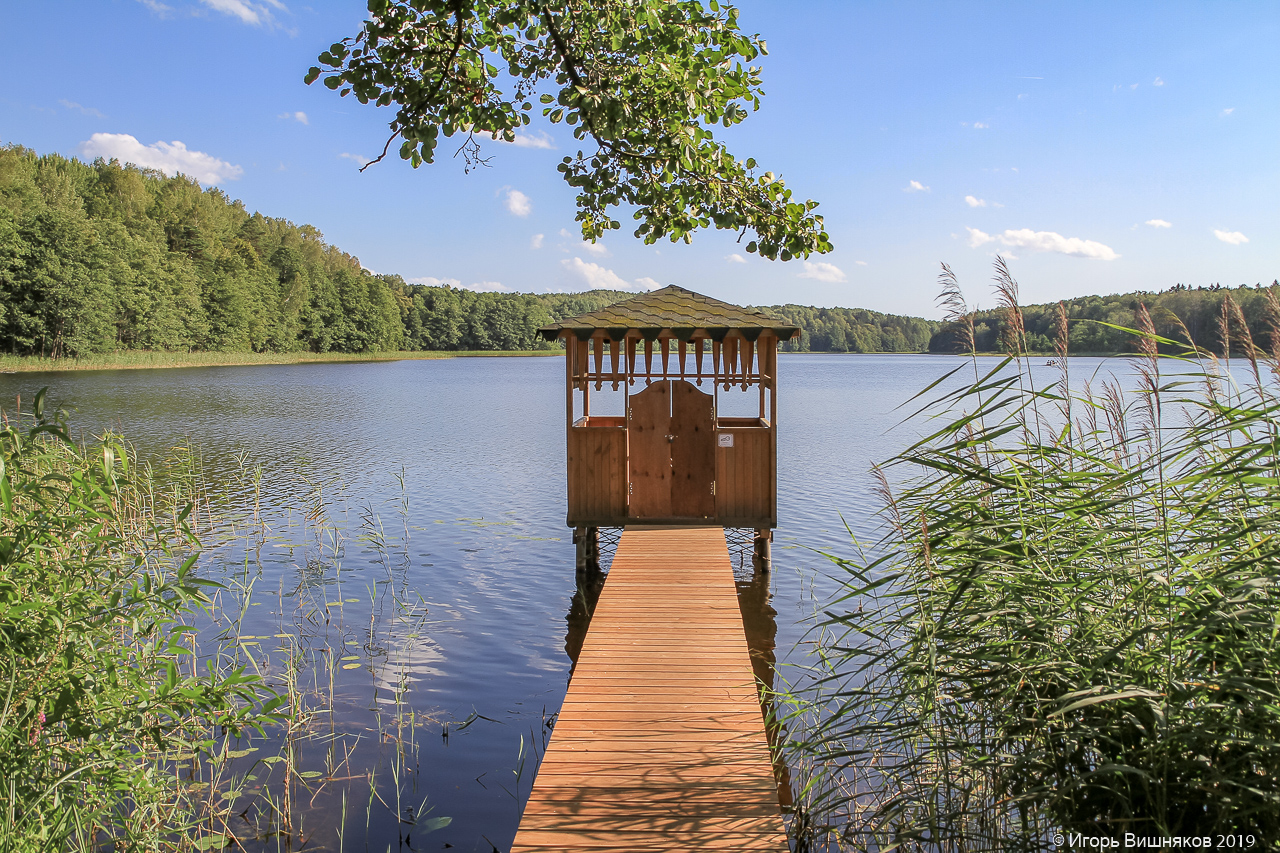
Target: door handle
671 437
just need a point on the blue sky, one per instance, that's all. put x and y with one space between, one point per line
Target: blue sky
1103 147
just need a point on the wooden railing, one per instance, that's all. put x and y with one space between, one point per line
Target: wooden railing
732 360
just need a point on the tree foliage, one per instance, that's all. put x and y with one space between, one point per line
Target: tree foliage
642 82
1096 323
100 258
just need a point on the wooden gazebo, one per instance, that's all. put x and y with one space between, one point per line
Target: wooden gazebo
671 459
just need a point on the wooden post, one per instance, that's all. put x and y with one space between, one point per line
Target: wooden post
681 350
570 351
614 356
697 357
762 556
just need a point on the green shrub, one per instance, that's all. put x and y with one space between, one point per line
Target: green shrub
101 700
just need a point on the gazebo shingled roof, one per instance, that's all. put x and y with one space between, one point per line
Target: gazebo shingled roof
682 311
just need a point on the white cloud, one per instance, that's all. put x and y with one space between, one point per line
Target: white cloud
432 281
156 6
1133 86
564 232
254 14
597 249
975 202
363 161
518 203
1159 223
735 258
600 278
488 287
1157 82
915 187
822 271
861 263
1228 111
536 139
1235 238
168 157
300 117
1044 241
72 105
535 242
980 125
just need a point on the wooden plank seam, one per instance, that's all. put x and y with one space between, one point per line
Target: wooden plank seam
660 744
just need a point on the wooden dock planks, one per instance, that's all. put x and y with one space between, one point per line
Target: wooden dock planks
660 744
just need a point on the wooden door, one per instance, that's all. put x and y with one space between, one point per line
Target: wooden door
693 459
649 452
671 452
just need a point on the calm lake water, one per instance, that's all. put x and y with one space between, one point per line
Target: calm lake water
409 544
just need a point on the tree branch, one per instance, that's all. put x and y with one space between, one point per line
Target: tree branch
444 73
571 69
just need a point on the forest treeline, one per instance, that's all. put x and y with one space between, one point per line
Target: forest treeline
1199 315
99 258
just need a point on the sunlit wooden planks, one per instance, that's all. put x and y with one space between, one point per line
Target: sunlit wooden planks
660 744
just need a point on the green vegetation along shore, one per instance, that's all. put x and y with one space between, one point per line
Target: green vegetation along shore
103 260
143 359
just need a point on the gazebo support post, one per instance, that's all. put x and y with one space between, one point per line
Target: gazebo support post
762 558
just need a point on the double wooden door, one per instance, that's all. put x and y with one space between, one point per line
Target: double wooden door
671 463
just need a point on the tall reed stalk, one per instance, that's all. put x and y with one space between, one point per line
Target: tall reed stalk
1072 626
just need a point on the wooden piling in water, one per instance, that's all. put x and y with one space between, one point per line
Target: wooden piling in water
660 744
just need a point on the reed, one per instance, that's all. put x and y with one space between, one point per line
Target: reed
98 713
1071 626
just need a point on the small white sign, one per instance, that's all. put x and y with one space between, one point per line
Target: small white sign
726 439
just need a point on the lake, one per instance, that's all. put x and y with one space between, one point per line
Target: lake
401 559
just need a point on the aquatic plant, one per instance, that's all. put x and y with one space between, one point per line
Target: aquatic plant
99 707
1072 624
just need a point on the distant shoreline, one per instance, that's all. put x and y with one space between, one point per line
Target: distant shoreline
145 360
160 360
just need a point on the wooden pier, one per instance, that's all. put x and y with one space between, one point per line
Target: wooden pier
660 744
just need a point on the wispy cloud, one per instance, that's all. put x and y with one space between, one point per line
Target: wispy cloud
861 263
735 258
535 242
488 287
600 278
1159 223
157 7
1235 238
432 281
300 117
975 202
1044 241
254 14
72 105
597 249
1228 111
517 203
363 161
915 187
1157 82
822 271
168 157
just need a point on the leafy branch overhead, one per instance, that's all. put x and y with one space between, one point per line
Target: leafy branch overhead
640 81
